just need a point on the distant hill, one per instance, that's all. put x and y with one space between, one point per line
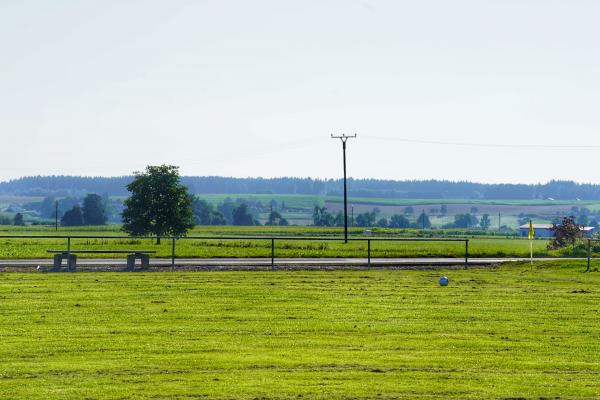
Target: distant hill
417 189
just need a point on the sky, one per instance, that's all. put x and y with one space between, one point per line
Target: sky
479 90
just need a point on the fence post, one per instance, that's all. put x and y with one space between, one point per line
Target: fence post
172 253
369 252
272 254
589 255
69 254
466 253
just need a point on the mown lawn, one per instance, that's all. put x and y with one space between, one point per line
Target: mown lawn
509 332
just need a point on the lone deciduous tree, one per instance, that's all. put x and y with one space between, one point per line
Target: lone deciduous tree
159 204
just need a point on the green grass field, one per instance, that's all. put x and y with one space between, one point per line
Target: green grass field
479 246
242 248
509 332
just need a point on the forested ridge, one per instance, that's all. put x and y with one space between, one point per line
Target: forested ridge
423 189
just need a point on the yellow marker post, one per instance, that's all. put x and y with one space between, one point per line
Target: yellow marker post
530 237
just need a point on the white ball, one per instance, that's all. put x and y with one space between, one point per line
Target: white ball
444 281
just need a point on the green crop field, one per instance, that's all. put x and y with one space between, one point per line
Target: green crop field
243 248
479 246
509 332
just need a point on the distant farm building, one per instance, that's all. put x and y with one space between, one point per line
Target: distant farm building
544 230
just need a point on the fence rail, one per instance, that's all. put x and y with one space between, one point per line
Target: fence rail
589 252
272 239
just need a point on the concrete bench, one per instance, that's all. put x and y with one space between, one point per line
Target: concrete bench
71 257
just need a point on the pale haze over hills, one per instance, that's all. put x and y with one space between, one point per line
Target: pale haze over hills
486 91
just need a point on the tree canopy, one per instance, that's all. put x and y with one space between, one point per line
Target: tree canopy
159 204
205 214
18 220
565 233
399 221
423 221
73 217
241 216
275 219
94 212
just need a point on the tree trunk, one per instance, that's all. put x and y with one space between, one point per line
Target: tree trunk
157 240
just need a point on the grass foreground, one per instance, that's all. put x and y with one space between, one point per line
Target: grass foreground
507 332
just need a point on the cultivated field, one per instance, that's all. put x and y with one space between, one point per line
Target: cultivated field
479 246
509 332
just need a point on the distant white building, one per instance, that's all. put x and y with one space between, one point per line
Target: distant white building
544 230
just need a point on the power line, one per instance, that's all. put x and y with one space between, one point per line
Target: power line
489 145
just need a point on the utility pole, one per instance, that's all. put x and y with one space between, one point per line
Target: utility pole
56 215
423 216
499 226
344 138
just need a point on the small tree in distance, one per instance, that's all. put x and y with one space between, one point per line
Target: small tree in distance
19 221
275 219
93 210
205 214
423 221
565 233
321 217
485 222
241 216
399 221
73 217
159 204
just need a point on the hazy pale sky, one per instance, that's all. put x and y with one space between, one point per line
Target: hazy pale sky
255 88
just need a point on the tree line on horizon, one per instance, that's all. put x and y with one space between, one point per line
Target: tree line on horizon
322 217
160 204
77 186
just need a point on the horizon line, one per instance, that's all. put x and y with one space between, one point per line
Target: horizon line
313 178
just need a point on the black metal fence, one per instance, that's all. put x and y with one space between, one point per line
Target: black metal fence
589 252
272 239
